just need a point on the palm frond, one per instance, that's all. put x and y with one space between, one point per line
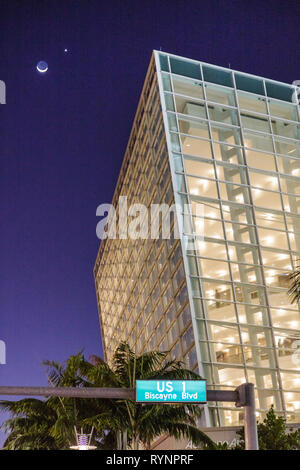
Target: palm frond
198 437
294 290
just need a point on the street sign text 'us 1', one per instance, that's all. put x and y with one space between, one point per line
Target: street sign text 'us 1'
171 391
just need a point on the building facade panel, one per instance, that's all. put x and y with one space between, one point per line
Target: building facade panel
225 146
141 283
234 145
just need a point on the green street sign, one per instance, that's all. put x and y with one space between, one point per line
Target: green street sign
171 391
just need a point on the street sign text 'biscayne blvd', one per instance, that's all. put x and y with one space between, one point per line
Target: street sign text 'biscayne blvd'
171 391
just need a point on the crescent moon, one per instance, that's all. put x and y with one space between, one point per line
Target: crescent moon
42 70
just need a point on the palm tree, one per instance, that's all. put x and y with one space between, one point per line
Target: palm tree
138 423
49 424
120 422
30 425
294 290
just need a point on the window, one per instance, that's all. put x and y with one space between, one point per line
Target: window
184 86
252 102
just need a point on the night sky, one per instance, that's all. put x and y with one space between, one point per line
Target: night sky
63 135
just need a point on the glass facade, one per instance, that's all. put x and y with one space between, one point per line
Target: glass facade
141 284
228 142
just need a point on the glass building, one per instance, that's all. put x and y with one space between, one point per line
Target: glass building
228 142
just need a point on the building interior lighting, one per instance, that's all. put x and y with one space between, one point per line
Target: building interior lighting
282 256
223 288
222 273
201 246
230 339
273 180
194 191
204 184
200 225
269 239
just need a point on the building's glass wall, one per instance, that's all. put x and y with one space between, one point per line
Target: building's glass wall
235 151
141 284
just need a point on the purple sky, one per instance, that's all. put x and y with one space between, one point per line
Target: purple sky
63 135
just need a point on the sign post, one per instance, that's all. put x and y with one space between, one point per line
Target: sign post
160 391
246 398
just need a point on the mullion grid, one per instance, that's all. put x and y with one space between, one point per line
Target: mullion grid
174 188
185 181
260 253
289 246
215 373
252 94
278 177
223 223
203 306
267 117
197 62
277 173
134 138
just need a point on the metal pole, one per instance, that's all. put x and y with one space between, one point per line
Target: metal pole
74 392
97 392
246 398
251 438
222 395
242 396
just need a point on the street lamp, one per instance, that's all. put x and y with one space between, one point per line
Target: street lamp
83 440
